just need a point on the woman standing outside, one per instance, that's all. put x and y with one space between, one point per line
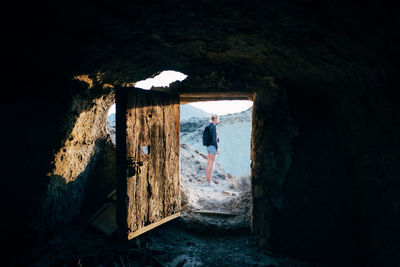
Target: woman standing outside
212 148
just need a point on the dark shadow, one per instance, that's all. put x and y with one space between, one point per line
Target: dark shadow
65 209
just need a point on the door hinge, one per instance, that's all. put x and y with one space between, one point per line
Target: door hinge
133 167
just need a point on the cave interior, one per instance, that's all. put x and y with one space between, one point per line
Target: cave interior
323 76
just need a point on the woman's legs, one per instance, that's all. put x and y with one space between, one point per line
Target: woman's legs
210 166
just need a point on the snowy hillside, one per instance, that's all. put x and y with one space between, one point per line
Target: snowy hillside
234 132
188 111
193 164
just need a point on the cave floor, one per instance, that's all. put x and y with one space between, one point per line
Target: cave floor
172 244
217 236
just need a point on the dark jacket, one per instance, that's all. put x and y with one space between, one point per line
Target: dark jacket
213 134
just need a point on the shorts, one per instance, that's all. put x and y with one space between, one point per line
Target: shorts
212 149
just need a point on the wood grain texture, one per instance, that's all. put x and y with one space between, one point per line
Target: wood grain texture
152 190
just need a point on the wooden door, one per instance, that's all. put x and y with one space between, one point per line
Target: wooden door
148 186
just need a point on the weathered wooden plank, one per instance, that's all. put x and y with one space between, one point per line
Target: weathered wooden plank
213 96
153 225
152 138
104 219
213 213
112 195
217 94
171 169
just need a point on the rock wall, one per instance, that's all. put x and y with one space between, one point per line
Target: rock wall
73 163
54 147
368 123
326 202
273 132
102 180
315 216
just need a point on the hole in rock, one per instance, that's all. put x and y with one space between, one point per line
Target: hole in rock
164 79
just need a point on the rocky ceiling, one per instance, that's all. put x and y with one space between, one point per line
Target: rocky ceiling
223 45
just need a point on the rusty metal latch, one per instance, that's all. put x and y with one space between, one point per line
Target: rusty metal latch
133 167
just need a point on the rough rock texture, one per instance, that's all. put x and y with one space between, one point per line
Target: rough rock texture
74 161
66 143
338 63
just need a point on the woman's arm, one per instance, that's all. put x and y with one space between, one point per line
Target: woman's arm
213 131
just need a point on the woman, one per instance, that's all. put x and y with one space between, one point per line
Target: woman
212 148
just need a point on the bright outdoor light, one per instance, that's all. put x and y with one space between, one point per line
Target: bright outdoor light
162 80
223 107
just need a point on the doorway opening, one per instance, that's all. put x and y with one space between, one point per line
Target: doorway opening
226 203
